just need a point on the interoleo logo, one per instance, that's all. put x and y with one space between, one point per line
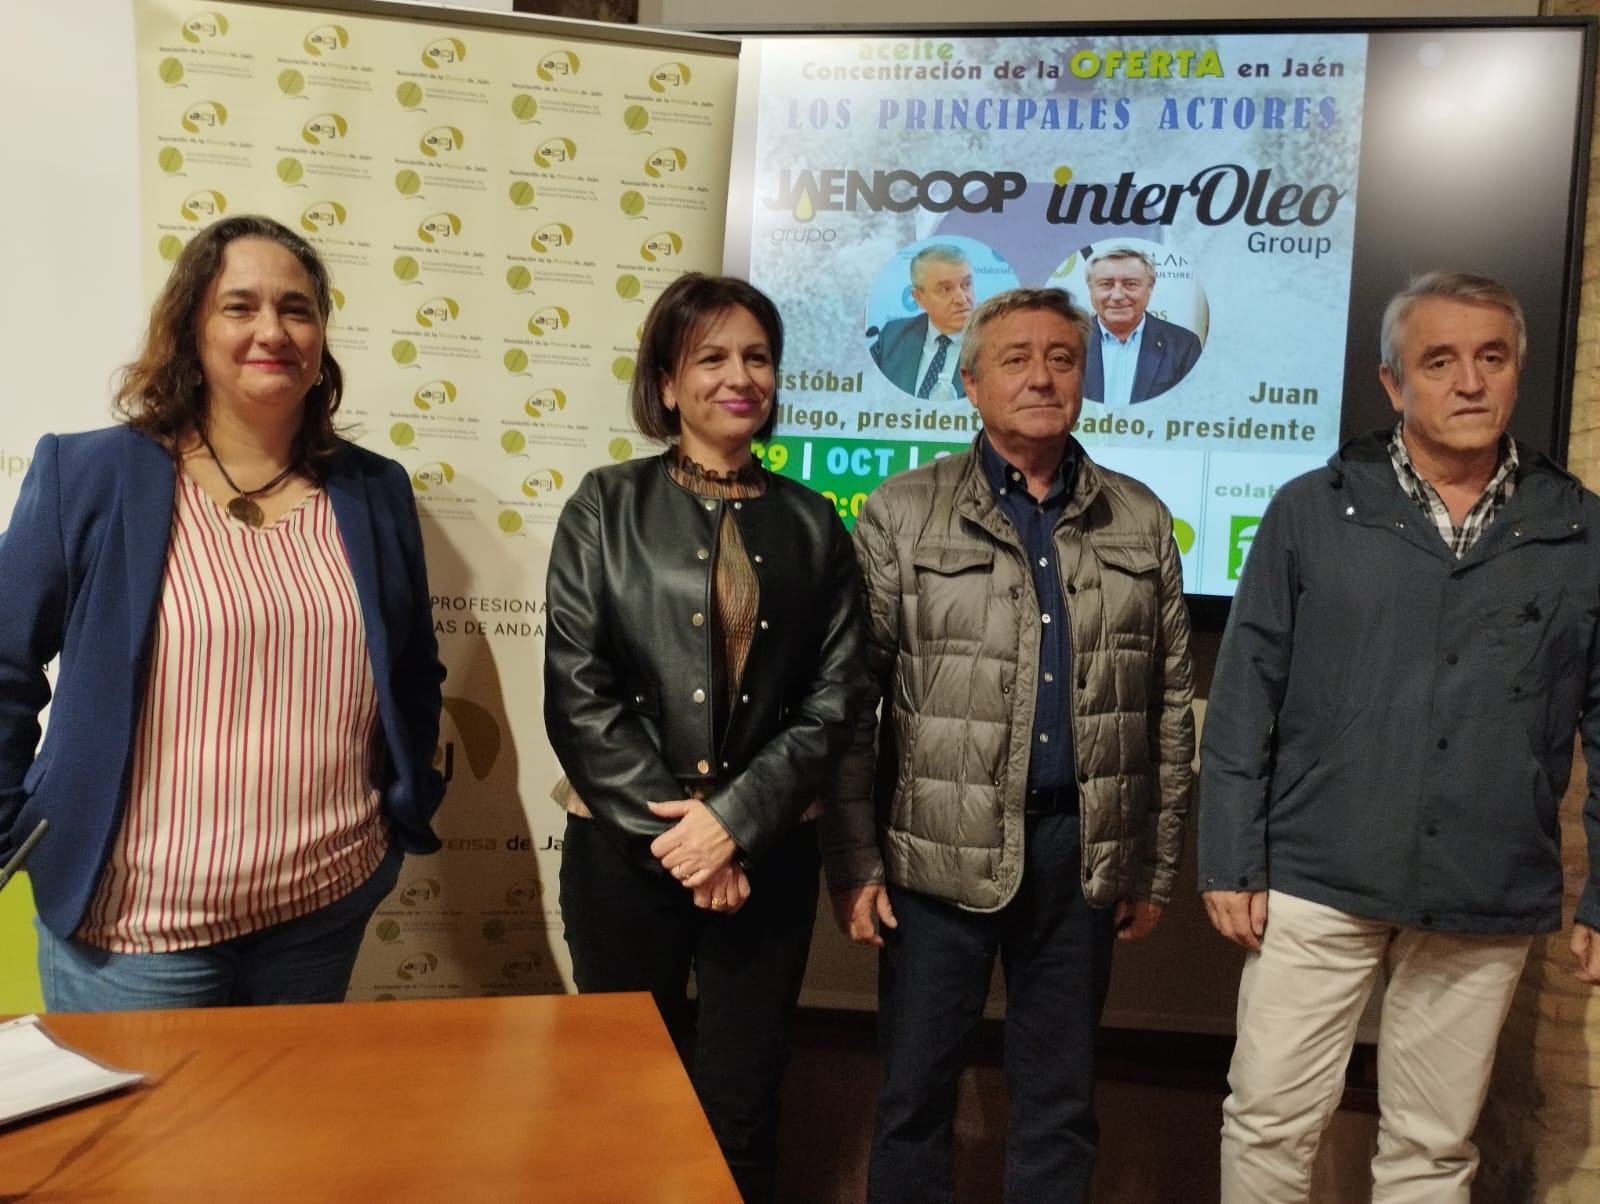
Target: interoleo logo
551 237
541 481
324 127
663 245
441 140
387 931
665 162
444 52
544 403
520 967
668 76
558 64
555 151
437 227
549 320
326 39
437 312
204 26
434 394
324 215
207 115
432 476
204 206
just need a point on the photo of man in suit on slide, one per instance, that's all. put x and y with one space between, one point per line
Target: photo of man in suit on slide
921 355
1132 355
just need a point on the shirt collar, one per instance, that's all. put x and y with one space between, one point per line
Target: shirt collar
1505 465
997 470
1107 337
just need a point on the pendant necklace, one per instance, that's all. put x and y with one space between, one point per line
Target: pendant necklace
243 508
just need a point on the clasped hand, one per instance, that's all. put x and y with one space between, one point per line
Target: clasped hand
698 851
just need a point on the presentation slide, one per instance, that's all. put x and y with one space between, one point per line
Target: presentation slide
1199 193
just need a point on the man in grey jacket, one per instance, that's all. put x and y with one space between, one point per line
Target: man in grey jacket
1389 734
1029 642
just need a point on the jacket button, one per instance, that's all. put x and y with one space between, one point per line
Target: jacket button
1443 744
756 558
1243 882
699 695
1071 589
1083 683
1083 779
1427 919
698 619
710 505
763 624
702 553
738 505
744 698
702 765
1432 829
1451 658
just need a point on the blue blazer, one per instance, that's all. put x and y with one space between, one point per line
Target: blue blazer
1166 353
898 353
83 562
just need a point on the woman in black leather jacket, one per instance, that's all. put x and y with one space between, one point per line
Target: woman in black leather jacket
703 661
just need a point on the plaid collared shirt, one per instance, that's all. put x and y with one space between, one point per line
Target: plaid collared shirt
1495 495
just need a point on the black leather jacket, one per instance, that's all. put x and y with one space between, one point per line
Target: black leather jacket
628 653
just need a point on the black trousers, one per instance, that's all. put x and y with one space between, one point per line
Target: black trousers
933 979
632 929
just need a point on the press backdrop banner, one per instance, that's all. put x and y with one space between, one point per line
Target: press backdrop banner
499 200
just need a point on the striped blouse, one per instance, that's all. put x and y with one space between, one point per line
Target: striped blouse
249 800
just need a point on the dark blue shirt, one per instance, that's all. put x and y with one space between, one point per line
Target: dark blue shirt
1050 766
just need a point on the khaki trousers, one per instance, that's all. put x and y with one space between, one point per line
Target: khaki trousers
1300 1000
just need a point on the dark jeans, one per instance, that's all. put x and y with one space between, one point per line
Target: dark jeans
633 930
933 979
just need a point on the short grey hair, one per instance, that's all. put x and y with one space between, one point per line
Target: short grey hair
1122 251
1452 286
1014 300
939 252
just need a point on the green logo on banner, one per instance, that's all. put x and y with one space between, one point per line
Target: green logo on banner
1241 533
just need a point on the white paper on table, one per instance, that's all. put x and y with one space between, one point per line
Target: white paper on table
38 1073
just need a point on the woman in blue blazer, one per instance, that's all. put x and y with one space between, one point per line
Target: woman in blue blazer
240 744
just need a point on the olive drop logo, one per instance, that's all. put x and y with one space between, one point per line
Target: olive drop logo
418 965
432 476
204 206
552 319
322 217
667 161
439 227
419 891
555 152
205 27
324 127
478 733
541 482
444 52
545 403
326 39
444 140
438 311
663 245
524 894
434 394
204 117
525 108
669 76
558 64
552 237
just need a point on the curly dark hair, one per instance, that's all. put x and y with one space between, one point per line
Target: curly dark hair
682 312
163 392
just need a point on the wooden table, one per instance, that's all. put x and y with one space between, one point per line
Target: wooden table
547 1098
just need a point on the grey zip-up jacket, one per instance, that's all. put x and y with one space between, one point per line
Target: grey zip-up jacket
1390 729
953 650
